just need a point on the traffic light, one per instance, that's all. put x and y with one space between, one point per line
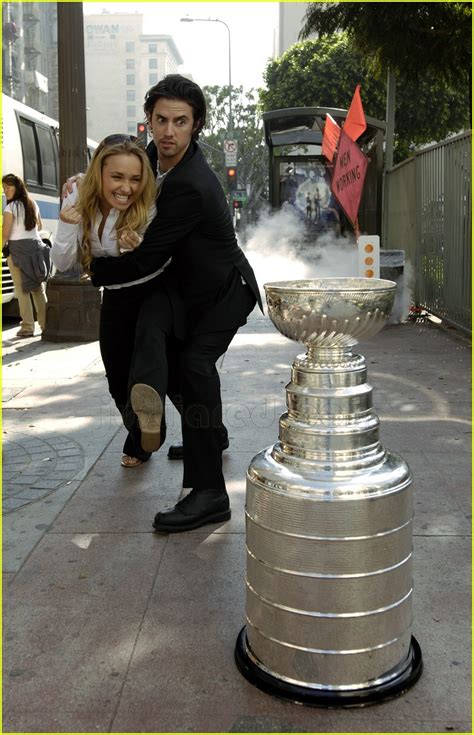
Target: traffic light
231 177
237 204
141 134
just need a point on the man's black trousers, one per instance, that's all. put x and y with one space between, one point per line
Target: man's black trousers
194 384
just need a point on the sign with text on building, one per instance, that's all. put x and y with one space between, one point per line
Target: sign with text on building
230 150
349 175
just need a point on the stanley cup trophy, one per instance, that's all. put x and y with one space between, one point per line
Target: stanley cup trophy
329 517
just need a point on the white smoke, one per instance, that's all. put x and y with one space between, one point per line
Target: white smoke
403 295
272 247
278 249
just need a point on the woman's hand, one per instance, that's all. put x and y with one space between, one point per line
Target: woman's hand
70 215
128 239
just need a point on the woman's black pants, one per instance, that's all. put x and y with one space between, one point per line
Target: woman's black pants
135 324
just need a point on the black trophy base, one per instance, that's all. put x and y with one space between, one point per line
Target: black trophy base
327 698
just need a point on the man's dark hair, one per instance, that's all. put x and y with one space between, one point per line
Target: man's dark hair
177 87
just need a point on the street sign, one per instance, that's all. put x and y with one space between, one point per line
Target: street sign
230 146
349 174
230 150
240 195
231 159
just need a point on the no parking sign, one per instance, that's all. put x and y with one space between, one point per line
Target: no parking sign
230 150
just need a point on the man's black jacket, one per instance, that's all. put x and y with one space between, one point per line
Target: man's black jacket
193 225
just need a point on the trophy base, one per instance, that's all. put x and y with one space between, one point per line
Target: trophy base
327 697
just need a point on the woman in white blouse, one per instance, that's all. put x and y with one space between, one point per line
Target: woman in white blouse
25 254
106 216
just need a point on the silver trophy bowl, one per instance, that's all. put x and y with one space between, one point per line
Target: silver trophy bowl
329 312
329 516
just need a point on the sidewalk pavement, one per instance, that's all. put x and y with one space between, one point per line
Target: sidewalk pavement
109 627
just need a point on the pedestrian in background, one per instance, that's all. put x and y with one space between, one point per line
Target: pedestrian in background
103 218
27 256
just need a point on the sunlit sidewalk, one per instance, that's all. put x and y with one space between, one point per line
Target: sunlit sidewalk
109 627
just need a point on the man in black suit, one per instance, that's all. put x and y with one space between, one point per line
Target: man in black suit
213 277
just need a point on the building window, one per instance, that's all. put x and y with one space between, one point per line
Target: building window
130 63
131 111
132 128
130 79
153 63
130 95
152 48
129 47
153 79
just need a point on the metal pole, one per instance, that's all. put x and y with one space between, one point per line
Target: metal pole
389 133
231 121
390 119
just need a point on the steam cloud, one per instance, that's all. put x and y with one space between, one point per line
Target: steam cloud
403 295
277 249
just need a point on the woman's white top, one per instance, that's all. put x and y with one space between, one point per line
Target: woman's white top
17 210
64 251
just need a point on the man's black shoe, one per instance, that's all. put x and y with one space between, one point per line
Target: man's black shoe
176 450
195 510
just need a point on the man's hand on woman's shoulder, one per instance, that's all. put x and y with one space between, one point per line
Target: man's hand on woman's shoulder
68 187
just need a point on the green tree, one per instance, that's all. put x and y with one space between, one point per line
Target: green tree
324 73
252 156
413 38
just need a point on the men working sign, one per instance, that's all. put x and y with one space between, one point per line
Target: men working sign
349 175
351 164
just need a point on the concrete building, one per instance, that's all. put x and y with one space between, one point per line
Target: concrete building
30 55
121 64
290 22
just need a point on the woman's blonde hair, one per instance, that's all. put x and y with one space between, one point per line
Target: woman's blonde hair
136 215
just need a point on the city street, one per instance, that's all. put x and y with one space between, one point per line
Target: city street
110 627
324 145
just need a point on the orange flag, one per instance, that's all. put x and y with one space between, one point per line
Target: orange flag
355 123
331 135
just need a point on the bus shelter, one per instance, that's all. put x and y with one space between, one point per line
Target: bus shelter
300 176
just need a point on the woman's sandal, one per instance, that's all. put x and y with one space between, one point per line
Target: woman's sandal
128 461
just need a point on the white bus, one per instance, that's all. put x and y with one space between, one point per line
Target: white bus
30 149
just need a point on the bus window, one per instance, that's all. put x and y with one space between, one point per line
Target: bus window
48 157
30 157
